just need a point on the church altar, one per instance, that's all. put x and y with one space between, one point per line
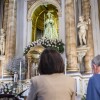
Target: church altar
69 26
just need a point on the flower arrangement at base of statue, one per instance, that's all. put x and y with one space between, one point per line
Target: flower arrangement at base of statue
47 43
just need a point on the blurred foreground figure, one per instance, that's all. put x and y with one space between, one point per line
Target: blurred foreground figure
93 89
52 84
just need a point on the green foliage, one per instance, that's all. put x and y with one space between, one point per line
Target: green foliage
83 98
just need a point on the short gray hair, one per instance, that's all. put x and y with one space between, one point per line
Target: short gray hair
96 60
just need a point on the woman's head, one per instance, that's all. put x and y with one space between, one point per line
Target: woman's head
51 62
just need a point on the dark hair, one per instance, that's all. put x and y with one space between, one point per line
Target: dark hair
96 60
50 62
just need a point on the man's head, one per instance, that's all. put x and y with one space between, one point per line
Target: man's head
96 64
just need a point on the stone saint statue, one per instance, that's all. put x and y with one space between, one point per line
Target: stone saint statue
2 42
34 69
50 30
15 77
83 27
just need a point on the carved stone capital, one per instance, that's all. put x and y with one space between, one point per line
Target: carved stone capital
81 52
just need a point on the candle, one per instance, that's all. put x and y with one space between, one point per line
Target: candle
65 66
2 73
20 70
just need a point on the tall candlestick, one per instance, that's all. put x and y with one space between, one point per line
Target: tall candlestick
20 70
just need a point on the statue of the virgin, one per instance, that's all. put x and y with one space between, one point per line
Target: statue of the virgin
50 30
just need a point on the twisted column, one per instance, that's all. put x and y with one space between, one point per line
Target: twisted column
70 37
5 16
86 13
11 30
9 26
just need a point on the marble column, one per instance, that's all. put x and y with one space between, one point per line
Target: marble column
70 37
21 27
11 32
90 53
95 26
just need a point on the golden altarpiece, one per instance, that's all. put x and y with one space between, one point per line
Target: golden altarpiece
70 21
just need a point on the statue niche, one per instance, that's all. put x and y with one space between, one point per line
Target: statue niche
82 35
45 22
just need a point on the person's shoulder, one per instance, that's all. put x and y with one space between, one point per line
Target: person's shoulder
95 76
34 79
92 78
70 81
37 77
70 78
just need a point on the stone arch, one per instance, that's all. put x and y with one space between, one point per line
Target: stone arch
43 2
